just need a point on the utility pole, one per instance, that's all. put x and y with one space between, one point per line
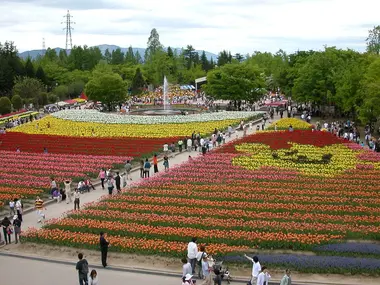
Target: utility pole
43 46
68 22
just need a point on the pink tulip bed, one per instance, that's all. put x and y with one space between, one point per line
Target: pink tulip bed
20 171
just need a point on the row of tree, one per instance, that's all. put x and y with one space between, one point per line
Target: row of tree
346 79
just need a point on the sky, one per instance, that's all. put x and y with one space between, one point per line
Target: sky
240 26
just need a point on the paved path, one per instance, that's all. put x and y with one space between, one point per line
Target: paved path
57 210
44 273
47 273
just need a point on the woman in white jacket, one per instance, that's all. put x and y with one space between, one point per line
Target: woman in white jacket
93 278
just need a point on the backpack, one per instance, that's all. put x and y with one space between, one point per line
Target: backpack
85 268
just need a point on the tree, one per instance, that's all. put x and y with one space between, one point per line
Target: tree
51 55
62 57
28 88
224 57
235 82
138 80
117 56
52 98
107 88
130 57
190 54
42 99
369 110
153 44
16 102
75 89
62 91
40 74
239 57
5 105
138 58
10 67
29 68
170 52
107 56
204 61
373 40
157 67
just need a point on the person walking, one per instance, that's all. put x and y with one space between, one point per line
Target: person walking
180 145
102 176
110 182
12 207
16 228
128 168
76 199
53 186
186 267
287 279
68 191
256 268
155 163
39 206
19 207
192 251
142 168
7 231
104 244
189 144
166 162
118 182
82 267
201 253
147 167
264 276
93 278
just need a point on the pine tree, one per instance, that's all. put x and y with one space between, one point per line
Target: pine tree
130 57
40 74
29 68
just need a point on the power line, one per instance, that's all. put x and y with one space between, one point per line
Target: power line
68 22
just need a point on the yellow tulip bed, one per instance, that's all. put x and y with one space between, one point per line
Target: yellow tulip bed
85 129
307 159
283 124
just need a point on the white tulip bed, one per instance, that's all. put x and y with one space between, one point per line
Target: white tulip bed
106 118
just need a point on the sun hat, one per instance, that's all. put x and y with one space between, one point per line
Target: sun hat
188 277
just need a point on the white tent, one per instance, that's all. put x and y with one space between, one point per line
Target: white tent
62 103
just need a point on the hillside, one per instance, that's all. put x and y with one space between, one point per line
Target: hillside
34 53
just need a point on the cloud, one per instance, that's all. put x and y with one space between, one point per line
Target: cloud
213 25
75 4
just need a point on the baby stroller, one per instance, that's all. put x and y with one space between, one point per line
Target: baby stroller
223 271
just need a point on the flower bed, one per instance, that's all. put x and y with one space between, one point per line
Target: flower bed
283 124
10 193
82 129
233 206
35 170
105 118
132 147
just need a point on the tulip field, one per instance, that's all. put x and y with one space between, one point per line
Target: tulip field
283 190
81 142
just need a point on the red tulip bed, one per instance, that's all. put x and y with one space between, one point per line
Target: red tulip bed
133 147
234 207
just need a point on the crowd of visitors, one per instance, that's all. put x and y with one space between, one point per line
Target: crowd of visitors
212 272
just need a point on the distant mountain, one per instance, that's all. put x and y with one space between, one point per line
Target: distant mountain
35 53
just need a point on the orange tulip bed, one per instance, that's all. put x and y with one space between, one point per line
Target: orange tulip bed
301 191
